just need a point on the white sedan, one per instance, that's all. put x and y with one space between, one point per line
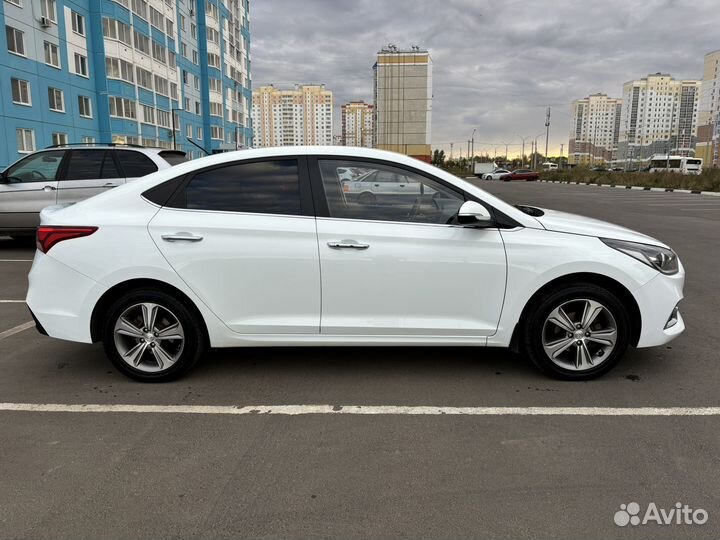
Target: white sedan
263 248
497 174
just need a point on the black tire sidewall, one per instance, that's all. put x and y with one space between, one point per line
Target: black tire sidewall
532 339
193 347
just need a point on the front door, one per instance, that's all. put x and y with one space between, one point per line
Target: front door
405 267
29 186
242 236
88 172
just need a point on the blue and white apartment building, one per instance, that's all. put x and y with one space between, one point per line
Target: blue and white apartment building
125 71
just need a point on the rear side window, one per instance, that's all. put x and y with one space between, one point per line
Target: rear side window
173 157
263 187
135 164
90 165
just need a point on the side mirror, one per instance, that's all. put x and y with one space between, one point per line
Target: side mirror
474 213
4 178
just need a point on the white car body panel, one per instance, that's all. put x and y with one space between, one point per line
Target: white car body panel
400 284
301 296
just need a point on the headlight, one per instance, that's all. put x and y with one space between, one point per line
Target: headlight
662 259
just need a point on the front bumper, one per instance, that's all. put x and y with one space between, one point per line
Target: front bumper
657 299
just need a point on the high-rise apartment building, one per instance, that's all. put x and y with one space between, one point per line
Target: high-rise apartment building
708 138
659 115
126 71
403 101
357 124
299 116
594 130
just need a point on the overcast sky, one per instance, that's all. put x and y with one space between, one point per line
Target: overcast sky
497 64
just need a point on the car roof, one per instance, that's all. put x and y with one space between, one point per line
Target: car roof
93 146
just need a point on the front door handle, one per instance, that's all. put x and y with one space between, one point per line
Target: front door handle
347 244
49 188
110 184
181 237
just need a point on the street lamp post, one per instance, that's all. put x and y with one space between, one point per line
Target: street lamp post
472 150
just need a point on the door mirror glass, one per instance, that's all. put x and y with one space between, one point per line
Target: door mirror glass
474 213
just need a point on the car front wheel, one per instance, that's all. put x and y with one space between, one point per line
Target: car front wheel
577 332
152 337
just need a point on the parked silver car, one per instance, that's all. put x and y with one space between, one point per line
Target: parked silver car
67 174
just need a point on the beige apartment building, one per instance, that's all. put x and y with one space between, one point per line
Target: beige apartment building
708 136
595 130
289 117
659 115
403 101
357 124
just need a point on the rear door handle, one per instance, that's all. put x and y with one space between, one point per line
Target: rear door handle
347 244
181 237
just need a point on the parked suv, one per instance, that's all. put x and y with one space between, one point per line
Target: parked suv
67 174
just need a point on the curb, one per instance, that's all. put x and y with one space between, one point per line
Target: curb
639 188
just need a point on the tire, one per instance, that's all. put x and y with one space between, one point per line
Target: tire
539 334
163 352
488 177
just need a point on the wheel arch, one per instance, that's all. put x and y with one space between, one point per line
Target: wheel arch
120 289
612 285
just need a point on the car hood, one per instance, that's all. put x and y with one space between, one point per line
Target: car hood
565 222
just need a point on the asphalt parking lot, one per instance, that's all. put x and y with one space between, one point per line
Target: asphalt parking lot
170 475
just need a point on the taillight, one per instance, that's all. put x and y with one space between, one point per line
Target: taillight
47 235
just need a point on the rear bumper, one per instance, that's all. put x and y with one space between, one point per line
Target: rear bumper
657 300
61 299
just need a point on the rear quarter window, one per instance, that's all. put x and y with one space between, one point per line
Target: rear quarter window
135 164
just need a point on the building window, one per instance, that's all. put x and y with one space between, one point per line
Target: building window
119 69
52 54
78 23
21 92
56 99
81 65
159 52
47 9
195 57
25 140
156 18
216 133
148 114
198 132
214 60
15 40
142 43
188 131
144 78
216 109
163 118
84 107
113 29
59 139
86 139
161 85
140 8
170 27
122 108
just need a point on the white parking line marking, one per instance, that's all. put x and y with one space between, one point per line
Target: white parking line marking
16 260
12 301
19 328
381 410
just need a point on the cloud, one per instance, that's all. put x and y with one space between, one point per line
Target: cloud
496 64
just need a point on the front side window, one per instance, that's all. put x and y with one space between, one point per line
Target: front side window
37 168
378 192
262 187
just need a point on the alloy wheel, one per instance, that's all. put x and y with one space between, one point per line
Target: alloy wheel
579 334
149 337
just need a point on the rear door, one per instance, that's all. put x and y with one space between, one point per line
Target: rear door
29 186
242 236
88 171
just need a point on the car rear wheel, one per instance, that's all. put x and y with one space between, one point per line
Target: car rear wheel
152 337
577 332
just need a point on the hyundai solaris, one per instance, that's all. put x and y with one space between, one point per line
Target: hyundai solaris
272 247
